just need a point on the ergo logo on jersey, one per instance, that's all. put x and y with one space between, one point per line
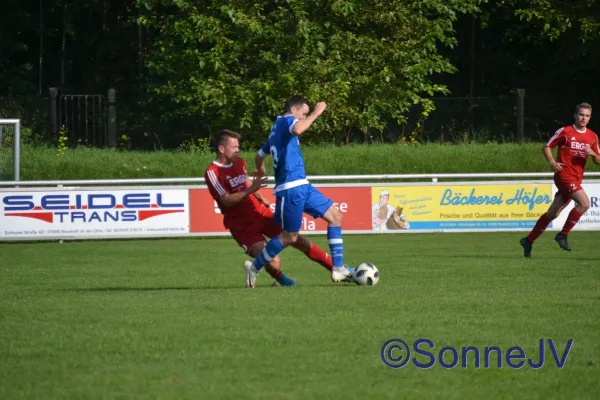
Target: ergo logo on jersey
92 207
578 146
238 180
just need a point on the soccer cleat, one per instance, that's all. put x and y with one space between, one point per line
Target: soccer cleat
251 274
286 281
341 274
561 239
526 244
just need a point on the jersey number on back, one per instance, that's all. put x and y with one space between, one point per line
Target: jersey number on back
274 155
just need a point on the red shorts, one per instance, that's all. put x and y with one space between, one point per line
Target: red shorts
566 187
251 232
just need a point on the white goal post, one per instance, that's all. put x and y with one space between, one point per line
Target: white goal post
10 147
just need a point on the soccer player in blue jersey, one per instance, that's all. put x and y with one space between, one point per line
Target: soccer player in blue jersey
294 194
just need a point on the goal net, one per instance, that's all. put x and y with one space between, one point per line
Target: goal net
10 137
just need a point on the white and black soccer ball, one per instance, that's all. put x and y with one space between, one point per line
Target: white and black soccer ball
366 274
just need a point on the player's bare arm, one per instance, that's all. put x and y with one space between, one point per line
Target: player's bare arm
258 196
231 199
259 163
556 166
302 125
593 154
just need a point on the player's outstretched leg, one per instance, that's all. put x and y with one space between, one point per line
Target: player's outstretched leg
313 252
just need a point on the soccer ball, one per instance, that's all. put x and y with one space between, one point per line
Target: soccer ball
366 274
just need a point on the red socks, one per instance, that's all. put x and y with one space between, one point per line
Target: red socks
543 222
275 273
318 255
539 228
572 220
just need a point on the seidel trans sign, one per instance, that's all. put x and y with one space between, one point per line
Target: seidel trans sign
94 213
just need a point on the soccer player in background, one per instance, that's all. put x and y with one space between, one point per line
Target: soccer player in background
294 194
245 212
575 143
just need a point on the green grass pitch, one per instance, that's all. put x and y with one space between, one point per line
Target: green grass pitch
170 319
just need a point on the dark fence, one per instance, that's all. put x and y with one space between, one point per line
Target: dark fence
90 119
86 119
459 119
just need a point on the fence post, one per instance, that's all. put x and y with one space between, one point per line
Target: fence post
53 113
17 152
520 115
112 118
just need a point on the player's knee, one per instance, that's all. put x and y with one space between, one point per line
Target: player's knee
301 244
294 237
338 217
288 238
255 250
583 202
335 216
275 263
583 207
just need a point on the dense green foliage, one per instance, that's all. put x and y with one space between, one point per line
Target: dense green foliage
184 68
369 60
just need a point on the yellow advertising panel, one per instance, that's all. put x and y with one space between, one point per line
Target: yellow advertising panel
458 206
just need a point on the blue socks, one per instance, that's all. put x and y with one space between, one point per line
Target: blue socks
336 245
273 248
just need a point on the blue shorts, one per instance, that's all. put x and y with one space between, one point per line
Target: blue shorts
292 203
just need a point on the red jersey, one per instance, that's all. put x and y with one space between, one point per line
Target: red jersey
232 178
571 150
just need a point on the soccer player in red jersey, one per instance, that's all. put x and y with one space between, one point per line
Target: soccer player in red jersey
574 144
245 212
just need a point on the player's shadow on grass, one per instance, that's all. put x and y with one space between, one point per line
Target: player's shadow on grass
150 289
511 256
199 288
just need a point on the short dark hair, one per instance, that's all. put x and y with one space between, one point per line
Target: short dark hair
222 137
294 101
583 105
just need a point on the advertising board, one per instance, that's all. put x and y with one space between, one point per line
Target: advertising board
93 213
352 201
458 207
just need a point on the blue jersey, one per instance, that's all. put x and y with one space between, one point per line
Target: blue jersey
284 147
